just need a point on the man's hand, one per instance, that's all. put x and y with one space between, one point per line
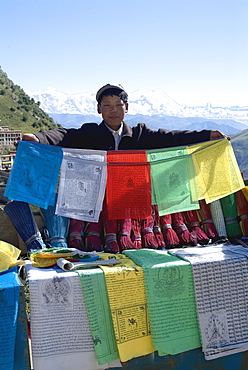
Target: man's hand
216 134
27 137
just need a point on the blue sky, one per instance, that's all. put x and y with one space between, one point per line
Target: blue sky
194 50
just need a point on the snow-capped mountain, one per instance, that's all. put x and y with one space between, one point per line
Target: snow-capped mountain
142 101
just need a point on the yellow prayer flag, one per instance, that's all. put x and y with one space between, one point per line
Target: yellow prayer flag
41 262
217 171
8 256
128 305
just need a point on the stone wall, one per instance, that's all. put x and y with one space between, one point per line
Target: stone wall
9 234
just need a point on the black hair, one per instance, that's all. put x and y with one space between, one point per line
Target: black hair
112 91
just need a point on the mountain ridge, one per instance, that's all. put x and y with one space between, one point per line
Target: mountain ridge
142 101
19 111
155 122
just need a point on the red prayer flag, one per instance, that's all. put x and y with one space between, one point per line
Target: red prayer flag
128 190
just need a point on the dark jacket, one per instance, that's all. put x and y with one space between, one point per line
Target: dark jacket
94 136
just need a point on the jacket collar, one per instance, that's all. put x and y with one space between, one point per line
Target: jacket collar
127 131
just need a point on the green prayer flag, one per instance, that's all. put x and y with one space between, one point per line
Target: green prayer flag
97 305
172 177
170 299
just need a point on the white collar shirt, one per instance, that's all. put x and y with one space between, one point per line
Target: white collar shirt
117 135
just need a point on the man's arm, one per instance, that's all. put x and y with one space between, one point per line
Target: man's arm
58 137
162 138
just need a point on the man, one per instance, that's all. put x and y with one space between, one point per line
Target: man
113 133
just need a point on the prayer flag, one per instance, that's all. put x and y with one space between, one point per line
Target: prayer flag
170 300
82 184
9 299
100 320
220 281
8 256
128 191
56 299
172 174
128 305
34 176
217 171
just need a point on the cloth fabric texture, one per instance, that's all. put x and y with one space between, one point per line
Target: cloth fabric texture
9 302
170 300
157 228
148 237
57 227
210 158
170 236
229 208
128 305
8 256
22 219
125 227
100 320
93 236
136 233
181 229
221 296
129 172
218 218
56 298
242 208
207 221
193 224
34 176
75 234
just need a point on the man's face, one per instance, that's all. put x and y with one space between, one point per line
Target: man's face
113 110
